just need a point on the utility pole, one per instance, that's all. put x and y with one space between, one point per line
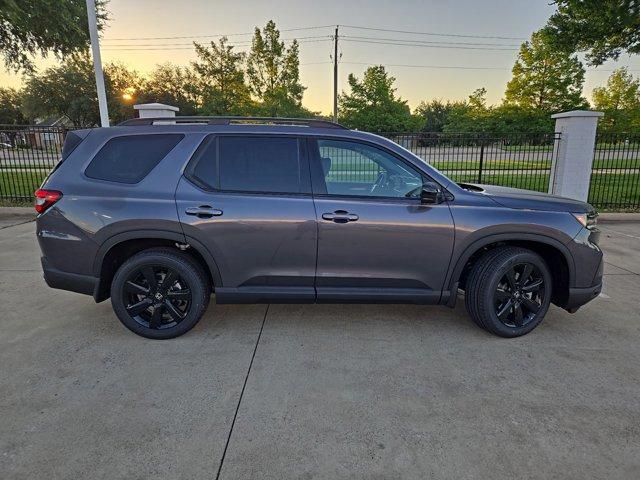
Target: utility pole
97 62
335 75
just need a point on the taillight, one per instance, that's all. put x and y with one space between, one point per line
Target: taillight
46 198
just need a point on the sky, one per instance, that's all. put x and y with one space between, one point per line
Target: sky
481 62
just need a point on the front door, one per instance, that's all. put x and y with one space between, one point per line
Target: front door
376 240
248 200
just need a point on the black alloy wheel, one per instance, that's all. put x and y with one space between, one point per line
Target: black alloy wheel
156 297
160 293
519 295
508 291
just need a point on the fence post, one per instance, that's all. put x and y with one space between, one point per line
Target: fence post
481 161
571 166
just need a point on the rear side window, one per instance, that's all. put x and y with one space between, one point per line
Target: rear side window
128 159
249 164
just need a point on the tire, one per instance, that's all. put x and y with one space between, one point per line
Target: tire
508 291
149 306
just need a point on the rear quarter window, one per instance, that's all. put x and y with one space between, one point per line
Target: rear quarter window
129 158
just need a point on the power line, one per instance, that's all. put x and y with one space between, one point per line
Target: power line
458 67
427 42
242 42
145 49
432 33
216 36
429 46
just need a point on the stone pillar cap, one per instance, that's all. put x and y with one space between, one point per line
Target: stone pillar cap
578 113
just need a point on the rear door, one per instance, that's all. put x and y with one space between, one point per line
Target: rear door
247 198
376 240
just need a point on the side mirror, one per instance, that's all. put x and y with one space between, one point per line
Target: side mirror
430 194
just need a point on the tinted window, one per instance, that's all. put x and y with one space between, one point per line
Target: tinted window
356 169
130 158
259 164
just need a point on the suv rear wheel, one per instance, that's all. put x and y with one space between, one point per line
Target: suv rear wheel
508 291
160 293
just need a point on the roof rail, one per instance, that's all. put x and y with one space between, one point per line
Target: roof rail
308 122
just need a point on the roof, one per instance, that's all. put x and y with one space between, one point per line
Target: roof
54 120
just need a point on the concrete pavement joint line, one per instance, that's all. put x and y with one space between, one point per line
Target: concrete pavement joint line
16 224
621 233
621 268
244 385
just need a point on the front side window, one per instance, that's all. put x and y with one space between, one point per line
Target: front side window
357 169
128 159
249 164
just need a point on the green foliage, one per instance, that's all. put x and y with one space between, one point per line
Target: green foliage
10 107
30 27
373 106
119 80
604 29
434 115
69 89
545 78
171 85
274 75
220 80
620 101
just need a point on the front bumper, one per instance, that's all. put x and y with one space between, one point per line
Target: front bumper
72 282
580 296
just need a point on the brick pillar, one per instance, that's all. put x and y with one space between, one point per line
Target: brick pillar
571 168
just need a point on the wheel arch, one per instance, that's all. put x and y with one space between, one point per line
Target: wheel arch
555 253
117 248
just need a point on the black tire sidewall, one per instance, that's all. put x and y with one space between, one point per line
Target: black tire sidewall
188 271
490 283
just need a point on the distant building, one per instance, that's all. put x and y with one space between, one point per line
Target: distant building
48 132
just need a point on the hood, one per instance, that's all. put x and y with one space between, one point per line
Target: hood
530 200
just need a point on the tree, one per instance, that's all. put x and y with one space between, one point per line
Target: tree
602 28
220 79
10 107
434 115
70 89
619 100
30 27
273 73
172 85
121 85
372 104
545 78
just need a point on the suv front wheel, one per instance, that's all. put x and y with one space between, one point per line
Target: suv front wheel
160 293
508 291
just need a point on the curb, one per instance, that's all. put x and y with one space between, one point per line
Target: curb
607 217
17 211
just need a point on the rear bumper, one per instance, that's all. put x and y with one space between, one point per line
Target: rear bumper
72 282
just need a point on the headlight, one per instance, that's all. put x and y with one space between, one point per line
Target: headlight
587 220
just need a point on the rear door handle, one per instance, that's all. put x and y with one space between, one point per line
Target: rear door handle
340 216
203 211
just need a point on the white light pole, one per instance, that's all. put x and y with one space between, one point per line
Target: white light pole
97 62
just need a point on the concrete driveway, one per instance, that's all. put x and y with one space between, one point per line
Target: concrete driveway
317 391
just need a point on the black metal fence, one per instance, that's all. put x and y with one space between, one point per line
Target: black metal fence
615 175
27 155
515 160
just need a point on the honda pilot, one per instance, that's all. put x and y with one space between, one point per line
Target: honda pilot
159 214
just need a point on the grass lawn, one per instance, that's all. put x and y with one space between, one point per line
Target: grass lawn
15 184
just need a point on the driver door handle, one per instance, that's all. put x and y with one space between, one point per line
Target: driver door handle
340 216
203 211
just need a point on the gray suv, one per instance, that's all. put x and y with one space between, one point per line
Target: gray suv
159 213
